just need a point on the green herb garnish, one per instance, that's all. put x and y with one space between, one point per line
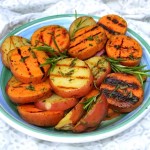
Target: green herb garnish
137 70
76 15
23 58
79 26
69 73
55 56
30 87
90 38
72 64
89 102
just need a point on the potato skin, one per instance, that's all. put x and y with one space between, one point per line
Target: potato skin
94 116
38 117
55 103
21 93
72 118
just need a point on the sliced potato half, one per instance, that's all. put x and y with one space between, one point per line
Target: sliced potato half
71 77
11 43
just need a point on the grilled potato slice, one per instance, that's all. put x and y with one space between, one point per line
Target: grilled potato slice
25 64
11 43
124 92
113 25
80 23
99 67
126 48
71 77
22 93
87 42
55 102
54 36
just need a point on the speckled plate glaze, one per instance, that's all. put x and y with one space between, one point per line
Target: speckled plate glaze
107 128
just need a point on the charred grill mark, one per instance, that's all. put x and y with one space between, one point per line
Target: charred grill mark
42 69
96 26
81 50
84 40
115 21
75 77
121 47
108 29
22 58
119 96
121 25
65 65
114 82
41 37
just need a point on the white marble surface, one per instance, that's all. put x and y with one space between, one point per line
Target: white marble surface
136 12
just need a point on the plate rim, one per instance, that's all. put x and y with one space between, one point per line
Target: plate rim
10 119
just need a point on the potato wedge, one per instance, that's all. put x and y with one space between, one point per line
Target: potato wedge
11 43
87 42
54 36
71 118
38 117
99 67
25 64
80 23
22 93
71 77
93 117
55 103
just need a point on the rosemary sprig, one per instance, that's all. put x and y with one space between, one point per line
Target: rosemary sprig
89 102
76 15
55 56
137 70
79 26
24 58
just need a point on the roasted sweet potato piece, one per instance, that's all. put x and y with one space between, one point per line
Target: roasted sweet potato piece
22 93
54 36
38 117
25 64
87 42
125 48
124 92
113 25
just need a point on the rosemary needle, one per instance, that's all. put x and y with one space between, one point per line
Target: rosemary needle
55 56
136 70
